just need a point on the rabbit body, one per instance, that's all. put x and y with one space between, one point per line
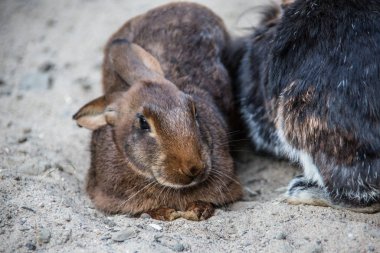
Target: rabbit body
309 90
160 143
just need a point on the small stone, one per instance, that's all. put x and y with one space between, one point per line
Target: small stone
46 67
5 89
374 233
109 222
145 216
170 242
281 236
124 235
178 247
371 248
155 226
85 83
43 236
22 139
30 246
66 236
34 81
27 130
22 221
317 249
59 166
67 218
86 87
106 238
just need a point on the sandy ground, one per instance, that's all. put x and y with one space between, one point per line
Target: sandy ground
50 58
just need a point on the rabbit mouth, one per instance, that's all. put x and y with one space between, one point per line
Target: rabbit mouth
177 184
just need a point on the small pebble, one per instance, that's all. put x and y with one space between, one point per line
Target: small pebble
27 130
317 249
109 222
67 218
170 242
86 87
22 221
371 248
145 216
66 236
29 209
34 81
30 246
155 226
2 82
22 139
123 235
281 236
374 233
178 247
43 236
46 67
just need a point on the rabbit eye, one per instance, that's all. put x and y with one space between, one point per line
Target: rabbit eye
144 125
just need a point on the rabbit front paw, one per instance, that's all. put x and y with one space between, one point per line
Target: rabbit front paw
164 213
195 211
198 210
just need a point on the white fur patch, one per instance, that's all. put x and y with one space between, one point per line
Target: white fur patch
310 170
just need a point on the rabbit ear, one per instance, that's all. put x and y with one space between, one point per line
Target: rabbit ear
133 63
96 114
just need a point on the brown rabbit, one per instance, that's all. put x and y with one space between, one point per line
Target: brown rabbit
160 140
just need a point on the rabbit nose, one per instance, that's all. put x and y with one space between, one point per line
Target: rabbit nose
192 171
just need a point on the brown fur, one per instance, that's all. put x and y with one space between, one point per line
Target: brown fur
166 66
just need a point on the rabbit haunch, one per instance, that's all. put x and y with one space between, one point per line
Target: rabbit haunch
159 144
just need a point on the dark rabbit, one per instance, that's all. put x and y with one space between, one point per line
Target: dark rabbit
309 90
160 140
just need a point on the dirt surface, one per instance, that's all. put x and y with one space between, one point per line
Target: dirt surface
50 58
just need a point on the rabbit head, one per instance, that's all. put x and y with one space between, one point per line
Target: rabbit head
154 124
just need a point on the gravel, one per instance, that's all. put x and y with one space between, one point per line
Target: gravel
124 235
43 236
48 172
